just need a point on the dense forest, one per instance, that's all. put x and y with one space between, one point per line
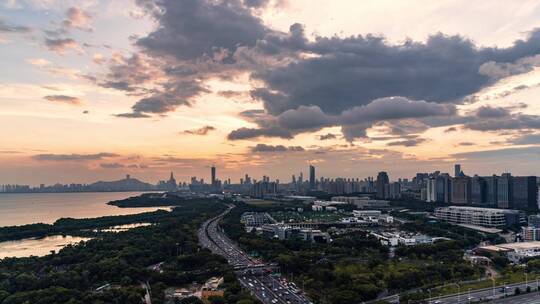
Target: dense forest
120 260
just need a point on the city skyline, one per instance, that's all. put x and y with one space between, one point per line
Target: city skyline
94 90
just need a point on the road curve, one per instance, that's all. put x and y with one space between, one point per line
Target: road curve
255 276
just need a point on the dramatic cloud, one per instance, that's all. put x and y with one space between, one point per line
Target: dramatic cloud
354 121
190 29
511 122
308 83
200 131
278 148
490 112
64 99
73 157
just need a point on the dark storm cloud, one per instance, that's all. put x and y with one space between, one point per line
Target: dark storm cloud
166 101
278 148
491 112
189 29
200 131
8 28
73 157
356 70
354 121
512 122
309 84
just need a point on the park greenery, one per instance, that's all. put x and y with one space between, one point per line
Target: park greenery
355 267
120 261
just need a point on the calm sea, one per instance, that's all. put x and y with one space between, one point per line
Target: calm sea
23 208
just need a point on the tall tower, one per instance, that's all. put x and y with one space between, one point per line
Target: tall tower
213 173
457 170
382 182
311 177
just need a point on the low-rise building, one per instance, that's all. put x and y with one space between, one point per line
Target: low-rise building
515 252
530 233
256 219
362 202
484 217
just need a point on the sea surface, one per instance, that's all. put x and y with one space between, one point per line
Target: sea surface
37 247
29 208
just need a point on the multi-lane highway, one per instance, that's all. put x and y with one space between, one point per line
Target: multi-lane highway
254 275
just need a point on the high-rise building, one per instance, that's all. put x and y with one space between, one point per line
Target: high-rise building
457 170
213 175
491 190
478 190
382 181
461 190
524 192
312 177
504 191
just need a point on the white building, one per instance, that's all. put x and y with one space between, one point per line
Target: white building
484 217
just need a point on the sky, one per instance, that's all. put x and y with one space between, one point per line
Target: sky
93 90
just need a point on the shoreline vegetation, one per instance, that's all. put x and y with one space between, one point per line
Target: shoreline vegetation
122 261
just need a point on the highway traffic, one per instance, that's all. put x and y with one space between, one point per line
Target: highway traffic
252 274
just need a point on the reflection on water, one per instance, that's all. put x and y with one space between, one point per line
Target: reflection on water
29 208
37 247
121 228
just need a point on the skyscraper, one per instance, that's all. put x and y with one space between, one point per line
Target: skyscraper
504 191
311 177
213 173
524 192
382 182
461 190
457 170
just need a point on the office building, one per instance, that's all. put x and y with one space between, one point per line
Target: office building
438 188
461 190
213 175
394 190
504 191
524 192
382 181
491 190
312 185
478 190
457 170
485 217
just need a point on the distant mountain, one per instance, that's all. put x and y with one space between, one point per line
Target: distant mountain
126 184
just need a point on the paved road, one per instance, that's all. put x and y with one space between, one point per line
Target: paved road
530 298
486 294
254 275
